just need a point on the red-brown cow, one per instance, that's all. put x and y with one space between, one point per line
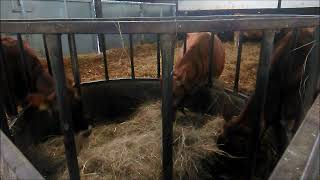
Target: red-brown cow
37 87
283 100
191 70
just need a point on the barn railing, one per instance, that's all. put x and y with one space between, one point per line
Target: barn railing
166 29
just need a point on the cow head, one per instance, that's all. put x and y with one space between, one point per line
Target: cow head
178 90
44 99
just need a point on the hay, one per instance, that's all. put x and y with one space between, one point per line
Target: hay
145 58
132 149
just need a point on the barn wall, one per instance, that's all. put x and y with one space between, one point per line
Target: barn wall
190 5
82 9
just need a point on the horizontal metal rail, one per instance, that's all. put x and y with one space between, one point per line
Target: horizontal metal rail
298 156
158 25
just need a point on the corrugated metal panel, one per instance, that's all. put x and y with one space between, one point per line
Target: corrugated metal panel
83 9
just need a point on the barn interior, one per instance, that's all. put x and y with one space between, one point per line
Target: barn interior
125 111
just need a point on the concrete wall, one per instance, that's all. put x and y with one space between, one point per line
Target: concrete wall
31 9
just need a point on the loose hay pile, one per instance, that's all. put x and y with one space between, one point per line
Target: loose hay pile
132 149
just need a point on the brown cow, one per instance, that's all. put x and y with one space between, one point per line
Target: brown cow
283 101
191 70
31 84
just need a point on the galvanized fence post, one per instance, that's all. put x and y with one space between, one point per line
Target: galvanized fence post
65 116
260 94
167 51
74 61
238 65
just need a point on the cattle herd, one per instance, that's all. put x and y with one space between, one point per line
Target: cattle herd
30 85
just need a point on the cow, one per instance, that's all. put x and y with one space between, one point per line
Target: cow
30 85
191 69
283 100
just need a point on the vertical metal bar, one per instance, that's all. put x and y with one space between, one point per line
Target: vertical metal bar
177 7
279 4
55 53
23 66
47 54
167 51
260 96
210 61
101 38
239 53
158 56
185 43
6 86
312 73
3 92
131 56
74 61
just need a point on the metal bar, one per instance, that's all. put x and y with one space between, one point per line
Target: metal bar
239 53
6 83
23 66
210 57
74 61
185 43
47 54
131 56
177 7
260 96
158 56
167 51
14 165
101 38
168 18
165 26
3 92
279 4
55 53
298 156
104 53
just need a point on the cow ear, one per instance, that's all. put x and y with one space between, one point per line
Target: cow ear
38 100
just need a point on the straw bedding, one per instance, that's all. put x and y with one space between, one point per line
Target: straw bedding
132 149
